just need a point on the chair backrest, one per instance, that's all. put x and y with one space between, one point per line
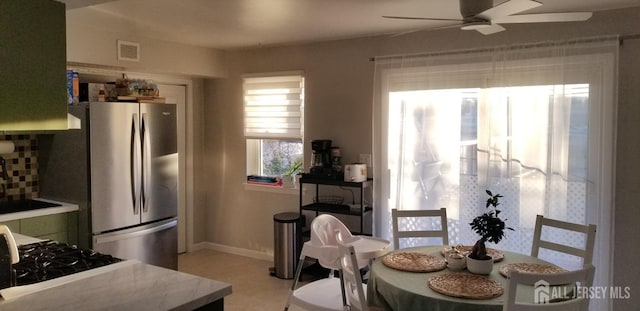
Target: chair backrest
322 245
543 300
352 280
397 234
588 230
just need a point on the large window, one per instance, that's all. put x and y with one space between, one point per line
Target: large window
274 127
532 123
535 134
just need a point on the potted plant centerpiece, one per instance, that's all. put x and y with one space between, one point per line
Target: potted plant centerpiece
490 227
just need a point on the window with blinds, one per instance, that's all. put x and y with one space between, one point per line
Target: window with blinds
273 106
273 124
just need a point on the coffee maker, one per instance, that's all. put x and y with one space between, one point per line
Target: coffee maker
321 164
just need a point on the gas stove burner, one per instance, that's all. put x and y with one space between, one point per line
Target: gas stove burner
47 260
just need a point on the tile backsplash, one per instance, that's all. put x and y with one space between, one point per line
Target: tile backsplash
22 169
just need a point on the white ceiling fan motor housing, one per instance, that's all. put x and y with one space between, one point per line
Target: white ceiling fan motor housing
471 8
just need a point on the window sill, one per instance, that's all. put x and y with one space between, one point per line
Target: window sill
272 189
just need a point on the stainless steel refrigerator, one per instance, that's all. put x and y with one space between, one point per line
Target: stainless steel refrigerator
126 154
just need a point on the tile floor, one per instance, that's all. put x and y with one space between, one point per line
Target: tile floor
252 286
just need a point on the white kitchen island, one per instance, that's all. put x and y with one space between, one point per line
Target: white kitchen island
126 285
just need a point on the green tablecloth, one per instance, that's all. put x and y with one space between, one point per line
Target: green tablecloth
397 290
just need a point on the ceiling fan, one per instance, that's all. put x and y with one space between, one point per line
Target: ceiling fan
482 16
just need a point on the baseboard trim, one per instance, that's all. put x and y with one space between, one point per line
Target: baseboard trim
232 250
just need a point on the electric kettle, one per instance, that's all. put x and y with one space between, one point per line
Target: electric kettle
8 257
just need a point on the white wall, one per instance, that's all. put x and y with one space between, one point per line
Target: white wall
627 195
92 38
339 86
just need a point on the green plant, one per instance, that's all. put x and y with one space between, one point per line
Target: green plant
295 168
489 226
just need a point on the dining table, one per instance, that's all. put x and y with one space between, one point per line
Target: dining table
396 289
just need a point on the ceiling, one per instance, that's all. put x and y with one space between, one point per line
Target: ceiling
237 24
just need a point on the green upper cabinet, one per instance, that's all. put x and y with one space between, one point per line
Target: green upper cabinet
33 60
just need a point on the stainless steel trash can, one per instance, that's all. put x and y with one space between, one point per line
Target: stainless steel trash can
286 246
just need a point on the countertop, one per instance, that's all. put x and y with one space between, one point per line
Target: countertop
126 285
64 208
23 239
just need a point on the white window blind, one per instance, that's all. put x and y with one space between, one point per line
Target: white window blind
273 106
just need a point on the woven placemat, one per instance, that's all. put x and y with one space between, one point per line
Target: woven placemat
529 267
495 254
414 262
465 285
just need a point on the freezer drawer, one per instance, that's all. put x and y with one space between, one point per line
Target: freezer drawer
155 243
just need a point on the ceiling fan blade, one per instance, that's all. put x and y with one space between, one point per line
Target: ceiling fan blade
508 8
423 29
491 30
457 25
423 18
544 18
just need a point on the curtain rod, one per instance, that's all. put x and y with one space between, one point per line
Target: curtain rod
513 47
629 37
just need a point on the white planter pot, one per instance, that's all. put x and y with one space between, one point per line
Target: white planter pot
288 182
479 266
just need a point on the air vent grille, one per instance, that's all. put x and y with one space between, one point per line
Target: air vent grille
129 51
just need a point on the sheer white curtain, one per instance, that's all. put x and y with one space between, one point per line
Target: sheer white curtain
534 123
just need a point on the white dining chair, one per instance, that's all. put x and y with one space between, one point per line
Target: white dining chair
541 286
326 293
585 253
415 215
354 288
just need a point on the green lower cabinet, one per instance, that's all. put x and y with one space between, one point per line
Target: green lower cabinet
58 236
72 228
44 225
13 225
59 227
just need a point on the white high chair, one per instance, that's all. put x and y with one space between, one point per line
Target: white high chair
353 288
326 294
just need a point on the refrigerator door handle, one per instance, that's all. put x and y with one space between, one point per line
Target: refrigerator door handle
116 236
135 164
146 154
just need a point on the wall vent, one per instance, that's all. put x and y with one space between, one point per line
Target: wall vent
128 51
